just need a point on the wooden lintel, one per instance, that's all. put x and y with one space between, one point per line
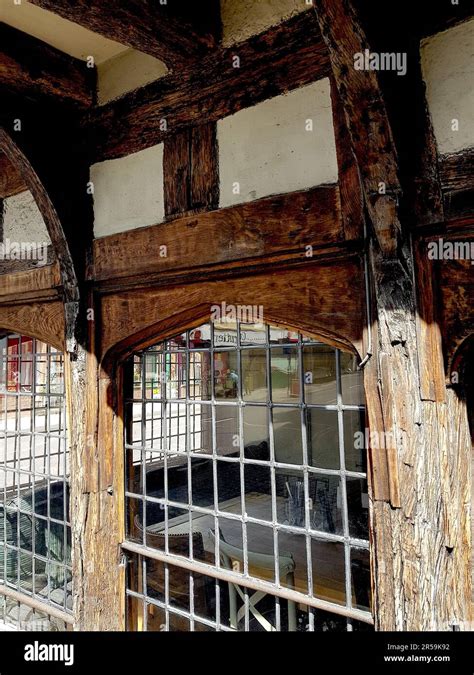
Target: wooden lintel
322 298
260 229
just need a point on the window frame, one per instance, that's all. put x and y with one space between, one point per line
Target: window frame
214 571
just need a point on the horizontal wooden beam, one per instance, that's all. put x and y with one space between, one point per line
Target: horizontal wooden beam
164 31
11 180
284 224
283 58
37 281
438 16
32 68
457 171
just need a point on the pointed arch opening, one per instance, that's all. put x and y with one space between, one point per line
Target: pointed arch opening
246 495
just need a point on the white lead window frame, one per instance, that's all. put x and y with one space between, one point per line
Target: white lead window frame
165 435
35 531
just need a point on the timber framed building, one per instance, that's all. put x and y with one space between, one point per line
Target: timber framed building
236 317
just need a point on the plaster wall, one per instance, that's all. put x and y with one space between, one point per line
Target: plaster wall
448 70
128 192
270 149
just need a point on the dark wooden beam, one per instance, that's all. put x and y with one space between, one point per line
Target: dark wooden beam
352 201
174 32
404 98
30 67
332 307
11 180
367 121
176 173
283 58
457 171
190 165
204 167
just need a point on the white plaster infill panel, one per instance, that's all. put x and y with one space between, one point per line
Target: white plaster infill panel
22 220
128 192
448 69
270 148
125 72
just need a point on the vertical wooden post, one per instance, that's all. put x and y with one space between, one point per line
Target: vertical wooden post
420 531
191 176
96 492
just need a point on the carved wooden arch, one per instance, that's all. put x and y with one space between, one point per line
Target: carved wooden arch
325 300
48 211
164 330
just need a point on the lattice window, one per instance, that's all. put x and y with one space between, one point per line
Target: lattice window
246 486
35 537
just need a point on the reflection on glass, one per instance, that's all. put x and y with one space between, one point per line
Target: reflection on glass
155 620
228 487
206 496
200 375
150 375
328 571
226 378
280 336
287 435
256 432
35 536
200 338
175 375
175 427
293 561
177 342
204 600
319 367
325 503
227 430
258 491
134 521
253 334
360 573
152 426
260 552
254 375
285 375
354 440
202 482
323 438
225 334
352 384
200 428
358 507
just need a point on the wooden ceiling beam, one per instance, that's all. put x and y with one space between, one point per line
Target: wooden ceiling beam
32 68
285 57
175 32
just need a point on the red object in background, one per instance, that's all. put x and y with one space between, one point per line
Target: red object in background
15 378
